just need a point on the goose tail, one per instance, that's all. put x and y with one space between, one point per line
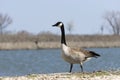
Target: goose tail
96 55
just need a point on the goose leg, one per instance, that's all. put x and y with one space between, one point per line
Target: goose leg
71 66
81 67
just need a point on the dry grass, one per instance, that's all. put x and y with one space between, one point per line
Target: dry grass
45 45
49 37
49 40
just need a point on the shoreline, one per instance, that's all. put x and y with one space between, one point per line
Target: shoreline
99 75
54 45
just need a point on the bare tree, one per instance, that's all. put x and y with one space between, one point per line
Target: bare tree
113 19
70 26
5 20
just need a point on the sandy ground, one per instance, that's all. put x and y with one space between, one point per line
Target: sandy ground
101 75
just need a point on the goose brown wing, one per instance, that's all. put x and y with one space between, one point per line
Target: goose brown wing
87 52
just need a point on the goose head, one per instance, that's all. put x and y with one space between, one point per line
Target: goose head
58 24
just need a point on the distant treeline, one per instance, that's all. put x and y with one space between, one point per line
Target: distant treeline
50 37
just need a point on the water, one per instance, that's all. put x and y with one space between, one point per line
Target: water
23 62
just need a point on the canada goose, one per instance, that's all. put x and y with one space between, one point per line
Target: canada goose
73 55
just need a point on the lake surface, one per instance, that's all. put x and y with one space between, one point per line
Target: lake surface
23 62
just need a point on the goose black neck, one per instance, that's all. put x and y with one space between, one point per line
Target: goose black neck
63 40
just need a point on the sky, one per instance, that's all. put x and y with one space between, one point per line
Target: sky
38 16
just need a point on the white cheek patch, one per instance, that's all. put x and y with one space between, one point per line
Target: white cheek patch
60 24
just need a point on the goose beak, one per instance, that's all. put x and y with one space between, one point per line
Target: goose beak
54 25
